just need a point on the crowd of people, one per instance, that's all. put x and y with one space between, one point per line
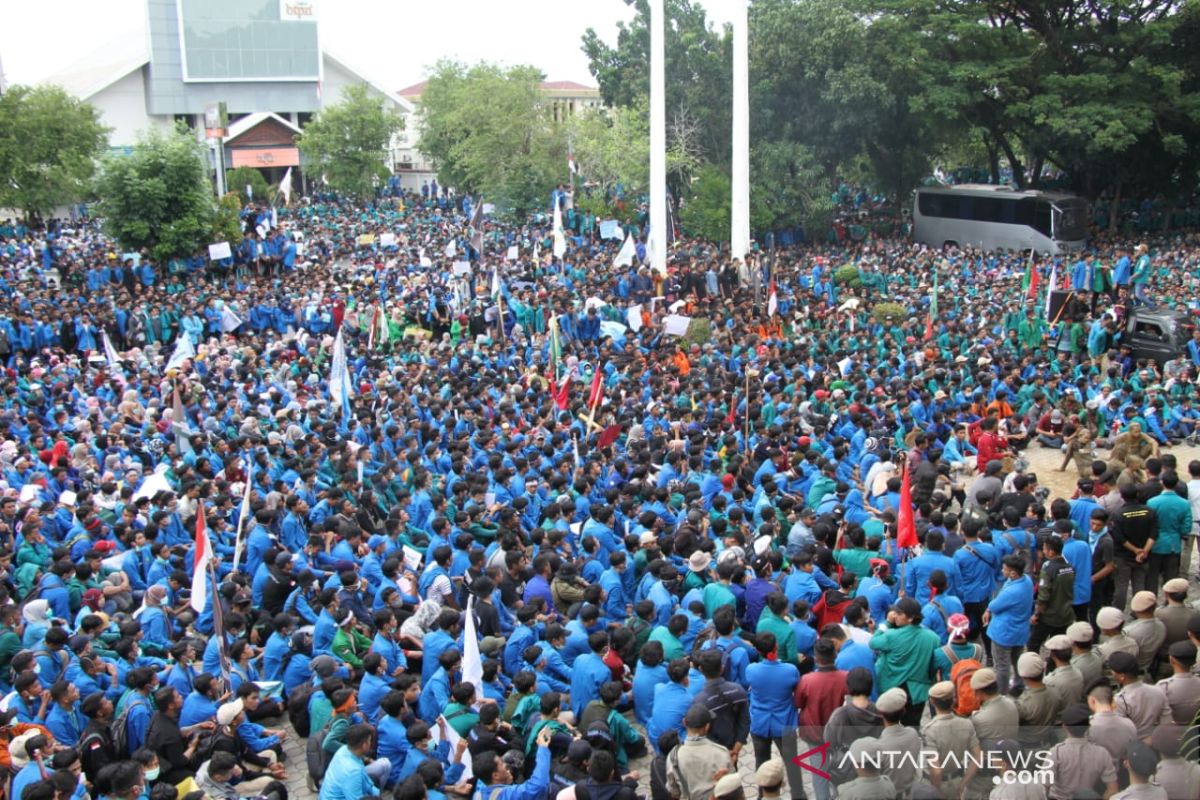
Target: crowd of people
554 527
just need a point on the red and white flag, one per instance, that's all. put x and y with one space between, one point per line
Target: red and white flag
204 555
772 301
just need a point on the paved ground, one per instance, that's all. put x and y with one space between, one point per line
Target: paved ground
1043 461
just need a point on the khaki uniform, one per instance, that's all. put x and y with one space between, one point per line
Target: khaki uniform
1112 732
1122 642
897 739
996 719
1145 706
948 733
1090 666
1149 635
1067 682
1017 791
691 765
1038 709
1078 764
1142 791
878 787
1176 619
1178 777
1183 696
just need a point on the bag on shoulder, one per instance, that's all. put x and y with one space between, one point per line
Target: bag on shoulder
961 671
120 732
297 709
315 757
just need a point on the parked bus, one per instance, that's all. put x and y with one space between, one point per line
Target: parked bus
997 218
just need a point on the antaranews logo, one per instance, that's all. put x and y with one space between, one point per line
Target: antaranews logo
1027 768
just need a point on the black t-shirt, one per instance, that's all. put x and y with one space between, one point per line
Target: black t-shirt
1101 555
487 620
512 590
1133 523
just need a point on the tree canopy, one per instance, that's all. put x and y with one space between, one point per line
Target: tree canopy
49 144
160 197
348 142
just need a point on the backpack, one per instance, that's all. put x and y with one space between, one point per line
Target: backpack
961 670
120 733
599 736
709 636
297 709
1022 549
315 757
209 742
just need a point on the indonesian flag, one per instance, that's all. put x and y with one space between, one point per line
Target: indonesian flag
906 524
732 416
561 394
1035 280
379 332
772 301
200 565
597 392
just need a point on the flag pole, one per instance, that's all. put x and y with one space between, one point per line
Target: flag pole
219 626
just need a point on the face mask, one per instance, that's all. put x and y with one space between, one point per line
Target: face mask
152 774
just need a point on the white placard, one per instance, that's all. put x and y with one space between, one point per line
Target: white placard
513 253
462 268
610 229
387 240
412 558
489 208
219 250
676 324
634 317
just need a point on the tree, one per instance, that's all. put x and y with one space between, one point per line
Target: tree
238 179
160 197
706 212
490 133
610 147
348 141
49 144
788 188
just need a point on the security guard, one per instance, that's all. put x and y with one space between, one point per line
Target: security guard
947 733
1144 706
1146 630
1053 611
1109 729
1083 656
997 717
1113 638
1175 615
1078 764
896 738
1037 707
1064 679
1182 689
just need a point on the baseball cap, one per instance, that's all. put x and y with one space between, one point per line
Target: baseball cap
1058 642
1076 716
770 774
943 690
728 785
983 678
1142 759
1176 586
1030 665
892 701
1124 663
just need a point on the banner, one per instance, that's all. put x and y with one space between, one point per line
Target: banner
387 240
634 317
513 253
676 324
229 320
610 229
183 351
462 269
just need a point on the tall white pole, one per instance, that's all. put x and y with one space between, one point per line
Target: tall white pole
739 239
658 142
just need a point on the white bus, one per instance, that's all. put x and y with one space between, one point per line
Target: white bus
999 218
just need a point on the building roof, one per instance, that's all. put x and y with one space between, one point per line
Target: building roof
101 68
378 86
417 89
249 121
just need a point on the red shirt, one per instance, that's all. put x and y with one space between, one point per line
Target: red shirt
990 446
818 695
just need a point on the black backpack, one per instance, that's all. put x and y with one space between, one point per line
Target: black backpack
599 736
315 757
297 709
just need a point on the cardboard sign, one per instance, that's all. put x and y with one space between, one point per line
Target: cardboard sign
610 229
366 239
513 253
220 250
676 324
387 240
462 268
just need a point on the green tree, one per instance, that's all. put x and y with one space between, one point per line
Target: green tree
236 180
348 141
160 197
491 133
610 147
706 211
49 144
787 188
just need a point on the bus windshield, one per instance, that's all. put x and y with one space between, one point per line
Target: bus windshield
1070 221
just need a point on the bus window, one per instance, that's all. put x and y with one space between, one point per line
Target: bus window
1041 222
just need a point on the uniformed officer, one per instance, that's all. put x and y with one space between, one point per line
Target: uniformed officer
1078 764
1144 706
898 739
1109 729
1055 595
869 785
1083 656
1113 638
1063 679
952 738
997 716
1182 689
1175 615
1146 630
1141 762
1179 778
1037 707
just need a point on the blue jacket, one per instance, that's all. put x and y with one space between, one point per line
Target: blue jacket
645 681
671 702
978 570
916 581
532 789
1011 609
772 704
346 778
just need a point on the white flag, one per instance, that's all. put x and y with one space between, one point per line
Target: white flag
626 254
451 249
339 376
537 252
239 543
229 320
183 351
560 237
472 663
285 187
422 259
110 353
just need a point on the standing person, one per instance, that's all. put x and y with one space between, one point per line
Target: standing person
1134 528
1054 606
1084 657
818 695
1146 629
1104 566
1080 765
1141 276
728 702
1007 619
905 656
1174 515
773 718
1145 706
979 566
696 764
945 733
1063 678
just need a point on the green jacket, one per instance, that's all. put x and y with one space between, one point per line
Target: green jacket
905 659
785 637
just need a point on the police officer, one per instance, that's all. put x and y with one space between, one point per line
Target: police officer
1182 689
1144 706
1078 764
1109 729
1054 609
1063 678
897 739
1037 707
1113 638
997 717
1083 656
1148 632
947 733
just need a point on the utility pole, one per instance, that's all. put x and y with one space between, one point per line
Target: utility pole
739 240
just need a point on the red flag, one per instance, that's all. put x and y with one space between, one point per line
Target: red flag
609 436
597 391
561 394
200 564
731 417
929 327
1035 280
906 525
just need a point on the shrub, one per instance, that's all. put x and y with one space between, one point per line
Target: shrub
883 311
698 332
848 275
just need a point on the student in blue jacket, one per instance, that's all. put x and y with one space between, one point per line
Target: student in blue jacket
1007 618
